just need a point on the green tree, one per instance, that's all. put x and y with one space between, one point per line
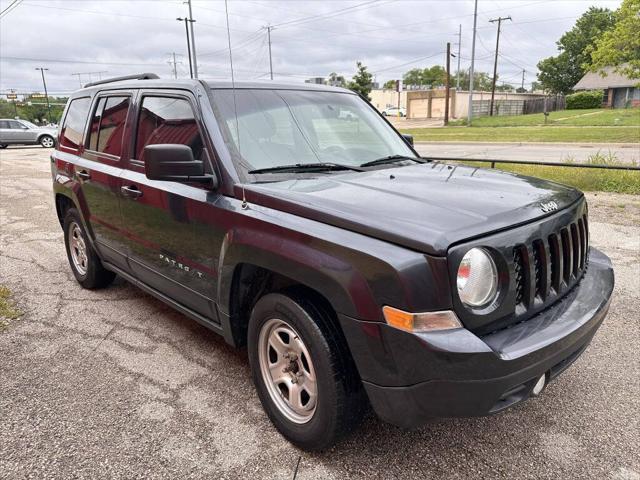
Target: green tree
362 81
560 73
505 87
336 80
390 85
620 46
431 76
481 80
34 113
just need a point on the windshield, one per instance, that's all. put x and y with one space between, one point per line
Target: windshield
289 127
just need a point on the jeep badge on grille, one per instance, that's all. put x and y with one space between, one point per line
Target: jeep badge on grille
548 207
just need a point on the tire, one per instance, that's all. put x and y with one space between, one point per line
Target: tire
384 114
3 145
85 264
47 141
339 402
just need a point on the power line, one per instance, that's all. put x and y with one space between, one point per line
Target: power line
415 60
10 8
325 15
84 62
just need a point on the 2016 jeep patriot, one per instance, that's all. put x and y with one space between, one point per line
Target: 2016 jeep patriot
295 220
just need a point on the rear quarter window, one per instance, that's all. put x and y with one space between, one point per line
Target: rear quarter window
107 125
74 123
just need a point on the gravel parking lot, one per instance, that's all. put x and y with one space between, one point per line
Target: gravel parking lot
114 384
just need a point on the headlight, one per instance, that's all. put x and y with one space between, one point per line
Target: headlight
477 278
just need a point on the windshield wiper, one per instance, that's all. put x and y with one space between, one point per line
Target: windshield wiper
306 167
392 159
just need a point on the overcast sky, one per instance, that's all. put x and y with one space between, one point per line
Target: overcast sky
309 38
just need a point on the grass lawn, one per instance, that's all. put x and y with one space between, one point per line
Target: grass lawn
570 126
593 117
586 179
561 134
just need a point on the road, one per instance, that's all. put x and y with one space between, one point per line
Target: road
541 152
114 384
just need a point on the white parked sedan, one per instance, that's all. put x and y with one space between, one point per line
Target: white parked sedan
394 112
21 132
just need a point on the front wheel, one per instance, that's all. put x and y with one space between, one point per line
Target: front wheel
47 141
84 262
303 372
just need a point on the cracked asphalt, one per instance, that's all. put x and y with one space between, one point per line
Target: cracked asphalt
114 384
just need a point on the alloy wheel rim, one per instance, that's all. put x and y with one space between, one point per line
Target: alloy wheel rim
287 371
78 249
47 142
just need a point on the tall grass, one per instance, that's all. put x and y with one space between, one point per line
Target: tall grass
586 179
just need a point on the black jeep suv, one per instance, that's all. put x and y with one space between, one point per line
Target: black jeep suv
295 221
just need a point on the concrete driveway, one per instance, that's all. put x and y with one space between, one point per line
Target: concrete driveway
533 152
114 384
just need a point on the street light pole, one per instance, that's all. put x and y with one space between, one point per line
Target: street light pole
186 28
193 41
46 95
473 57
270 61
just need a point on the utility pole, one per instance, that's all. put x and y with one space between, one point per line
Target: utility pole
447 91
269 28
46 95
193 41
186 29
14 101
522 86
79 75
473 57
174 65
495 62
459 46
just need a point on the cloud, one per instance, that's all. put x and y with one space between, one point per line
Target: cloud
309 38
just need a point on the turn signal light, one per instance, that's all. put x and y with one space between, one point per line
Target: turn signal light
421 322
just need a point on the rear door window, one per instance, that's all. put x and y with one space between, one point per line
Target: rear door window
74 123
107 125
167 120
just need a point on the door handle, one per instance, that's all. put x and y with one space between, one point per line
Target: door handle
131 192
83 174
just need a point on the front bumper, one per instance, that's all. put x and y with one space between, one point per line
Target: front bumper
411 377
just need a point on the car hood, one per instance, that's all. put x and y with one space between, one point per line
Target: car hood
426 207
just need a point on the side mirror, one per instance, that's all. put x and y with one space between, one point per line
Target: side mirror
174 163
408 138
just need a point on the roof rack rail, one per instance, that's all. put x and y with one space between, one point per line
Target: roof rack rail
137 76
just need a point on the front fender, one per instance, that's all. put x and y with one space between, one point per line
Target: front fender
339 281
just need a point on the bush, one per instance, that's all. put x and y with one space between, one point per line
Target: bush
581 100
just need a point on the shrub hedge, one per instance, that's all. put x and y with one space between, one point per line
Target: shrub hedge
587 99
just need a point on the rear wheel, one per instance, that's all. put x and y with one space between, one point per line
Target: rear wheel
3 145
47 141
303 372
85 264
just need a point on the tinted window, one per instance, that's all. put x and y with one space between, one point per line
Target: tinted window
74 122
16 125
4 124
107 125
167 120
